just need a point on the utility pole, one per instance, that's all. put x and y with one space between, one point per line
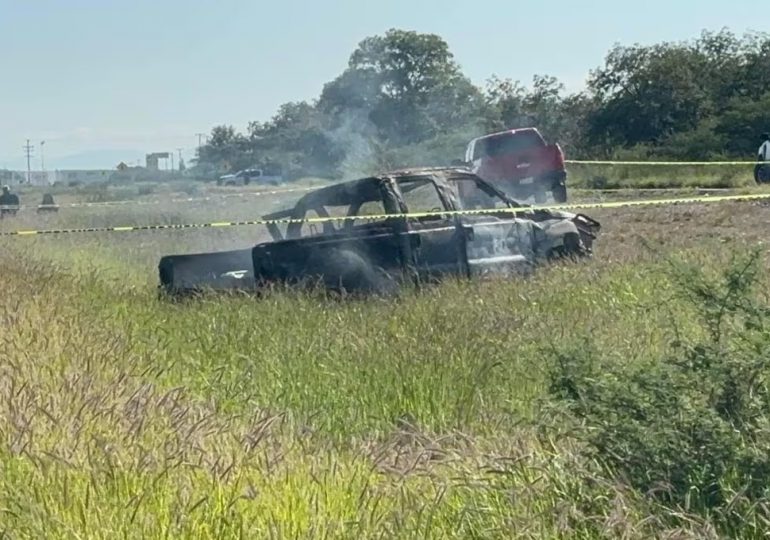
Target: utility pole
200 143
42 161
172 160
28 151
179 163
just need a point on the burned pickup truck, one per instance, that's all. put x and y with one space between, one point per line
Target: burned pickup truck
390 229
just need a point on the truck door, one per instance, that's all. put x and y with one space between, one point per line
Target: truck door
498 245
493 243
435 240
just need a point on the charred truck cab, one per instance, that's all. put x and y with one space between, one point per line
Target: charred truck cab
398 227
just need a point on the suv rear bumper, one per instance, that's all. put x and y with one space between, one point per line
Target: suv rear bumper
558 184
553 178
552 183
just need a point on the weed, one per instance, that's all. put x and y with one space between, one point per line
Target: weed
295 415
688 428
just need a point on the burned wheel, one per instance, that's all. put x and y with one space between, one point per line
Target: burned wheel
572 249
560 193
349 272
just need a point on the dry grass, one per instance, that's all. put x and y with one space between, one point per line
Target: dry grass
296 416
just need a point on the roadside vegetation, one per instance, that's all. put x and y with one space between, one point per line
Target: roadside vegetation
403 100
624 396
645 177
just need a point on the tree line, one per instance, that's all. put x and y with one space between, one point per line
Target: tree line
404 101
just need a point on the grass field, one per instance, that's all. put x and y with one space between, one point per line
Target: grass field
603 176
297 416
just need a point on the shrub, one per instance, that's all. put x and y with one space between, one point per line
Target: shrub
146 189
598 182
689 429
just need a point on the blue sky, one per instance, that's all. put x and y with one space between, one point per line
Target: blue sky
134 76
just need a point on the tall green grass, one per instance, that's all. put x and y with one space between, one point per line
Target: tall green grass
611 176
296 415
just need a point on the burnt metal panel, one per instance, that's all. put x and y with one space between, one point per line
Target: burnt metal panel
225 270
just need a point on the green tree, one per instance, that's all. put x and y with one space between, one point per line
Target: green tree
690 100
560 118
741 123
404 101
297 139
505 104
409 65
647 94
226 150
407 85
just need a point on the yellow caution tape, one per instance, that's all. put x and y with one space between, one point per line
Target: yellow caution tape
415 215
684 163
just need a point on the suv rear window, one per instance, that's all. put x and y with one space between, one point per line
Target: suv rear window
507 143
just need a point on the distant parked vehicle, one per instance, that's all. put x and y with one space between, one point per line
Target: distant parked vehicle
248 176
521 163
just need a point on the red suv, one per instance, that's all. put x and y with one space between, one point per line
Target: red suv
520 163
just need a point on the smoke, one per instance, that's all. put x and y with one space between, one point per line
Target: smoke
356 136
366 151
372 130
